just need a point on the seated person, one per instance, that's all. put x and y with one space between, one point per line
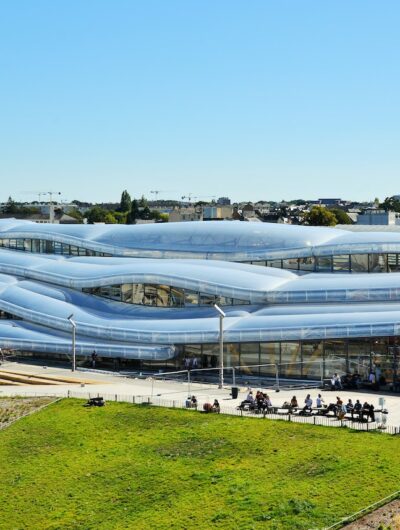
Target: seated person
308 404
216 406
319 401
349 406
293 404
356 408
250 397
194 402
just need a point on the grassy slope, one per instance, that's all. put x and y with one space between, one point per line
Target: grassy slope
124 466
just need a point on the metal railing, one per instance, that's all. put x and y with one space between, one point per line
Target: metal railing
146 400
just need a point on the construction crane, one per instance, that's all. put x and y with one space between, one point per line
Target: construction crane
156 192
50 194
188 197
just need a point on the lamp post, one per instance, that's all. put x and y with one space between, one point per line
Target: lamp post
221 345
73 324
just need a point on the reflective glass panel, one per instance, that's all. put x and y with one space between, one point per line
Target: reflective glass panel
150 294
137 293
341 263
359 262
312 353
127 293
249 358
191 298
393 263
292 263
277 263
378 263
323 263
270 354
163 292
306 264
290 359
177 297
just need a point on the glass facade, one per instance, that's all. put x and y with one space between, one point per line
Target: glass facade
160 296
43 246
301 359
358 263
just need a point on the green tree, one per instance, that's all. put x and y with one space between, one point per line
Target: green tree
110 218
134 213
391 203
126 202
143 202
96 215
341 216
11 206
319 216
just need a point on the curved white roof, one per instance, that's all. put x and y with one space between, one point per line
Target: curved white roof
228 240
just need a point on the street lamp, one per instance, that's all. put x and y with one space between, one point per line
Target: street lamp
221 345
73 324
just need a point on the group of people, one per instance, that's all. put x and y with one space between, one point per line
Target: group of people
260 401
339 408
191 403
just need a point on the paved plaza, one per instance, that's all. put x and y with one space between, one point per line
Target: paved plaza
128 388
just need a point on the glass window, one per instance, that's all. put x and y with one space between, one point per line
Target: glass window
306 264
127 293
163 298
270 355
231 355
74 251
137 293
260 263
235 301
57 248
277 263
65 249
335 356
341 263
360 356
223 300
192 357
313 356
250 358
292 263
323 263
111 291
393 263
177 297
20 244
150 294
359 262
378 263
191 298
208 299
290 359
12 243
210 355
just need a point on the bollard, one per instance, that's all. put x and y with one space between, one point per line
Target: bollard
133 399
116 397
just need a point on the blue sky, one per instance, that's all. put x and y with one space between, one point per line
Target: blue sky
254 100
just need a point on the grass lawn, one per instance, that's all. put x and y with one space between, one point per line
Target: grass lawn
131 467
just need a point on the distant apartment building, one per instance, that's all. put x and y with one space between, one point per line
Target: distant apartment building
217 213
372 216
224 201
190 213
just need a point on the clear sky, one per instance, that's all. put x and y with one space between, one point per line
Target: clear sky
255 99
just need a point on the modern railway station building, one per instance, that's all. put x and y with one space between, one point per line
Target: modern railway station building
307 299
